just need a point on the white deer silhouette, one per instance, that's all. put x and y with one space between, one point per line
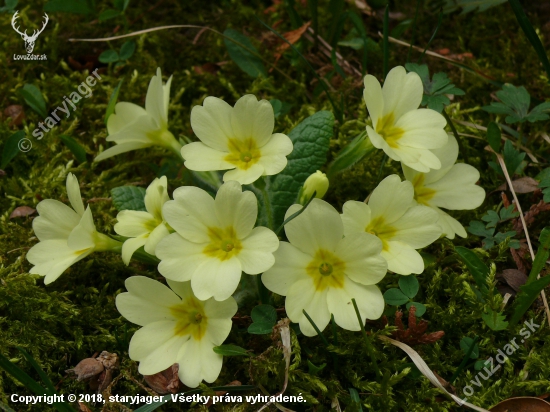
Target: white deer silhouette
29 40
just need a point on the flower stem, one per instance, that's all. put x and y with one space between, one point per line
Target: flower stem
267 204
370 349
263 292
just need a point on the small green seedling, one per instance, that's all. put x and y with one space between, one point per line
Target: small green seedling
408 289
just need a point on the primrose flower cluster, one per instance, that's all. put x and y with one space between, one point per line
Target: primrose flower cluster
204 243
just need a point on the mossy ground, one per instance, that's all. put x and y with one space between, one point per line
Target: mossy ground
73 318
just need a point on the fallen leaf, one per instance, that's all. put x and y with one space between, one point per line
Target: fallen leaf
22 211
292 37
166 381
416 333
83 407
16 113
522 185
514 278
522 404
211 68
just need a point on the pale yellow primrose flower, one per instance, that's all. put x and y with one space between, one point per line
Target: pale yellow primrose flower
215 240
177 328
321 271
132 127
392 216
239 138
144 228
317 182
405 132
66 235
452 187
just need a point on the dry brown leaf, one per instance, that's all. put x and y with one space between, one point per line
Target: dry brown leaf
292 37
83 407
22 211
416 333
166 381
514 278
522 185
522 404
16 113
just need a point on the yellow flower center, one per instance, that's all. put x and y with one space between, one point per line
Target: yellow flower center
385 127
379 228
190 318
327 270
224 243
243 153
422 194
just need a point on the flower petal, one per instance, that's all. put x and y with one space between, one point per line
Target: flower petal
159 233
211 122
82 236
274 153
447 156
130 246
245 177
121 148
198 361
372 94
146 301
307 234
201 157
257 253
356 217
361 254
253 119
457 189
302 295
216 278
450 225
125 113
155 100
423 129
290 267
369 299
402 92
179 257
56 220
236 208
73 191
417 227
391 199
156 195
133 223
402 258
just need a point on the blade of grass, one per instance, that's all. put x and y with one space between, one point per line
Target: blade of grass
295 215
38 369
386 42
455 133
314 11
413 29
370 349
464 360
358 23
325 341
439 20
5 407
531 34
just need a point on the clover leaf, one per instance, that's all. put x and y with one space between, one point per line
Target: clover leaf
435 90
514 103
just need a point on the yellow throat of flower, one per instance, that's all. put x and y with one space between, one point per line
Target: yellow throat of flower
422 194
224 243
385 127
379 228
243 153
327 270
190 318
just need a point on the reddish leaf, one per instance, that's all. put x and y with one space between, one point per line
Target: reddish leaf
292 37
523 404
22 211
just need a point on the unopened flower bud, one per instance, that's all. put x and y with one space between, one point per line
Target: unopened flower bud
318 183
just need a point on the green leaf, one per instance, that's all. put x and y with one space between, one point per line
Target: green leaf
280 108
512 158
39 370
311 140
528 293
352 153
495 320
230 350
420 308
11 148
542 254
260 328
10 6
33 97
514 103
127 50
109 14
129 198
75 147
314 370
247 57
355 400
507 213
112 102
109 56
409 285
395 297
470 5
494 136
72 6
264 313
466 344
121 4
492 218
475 265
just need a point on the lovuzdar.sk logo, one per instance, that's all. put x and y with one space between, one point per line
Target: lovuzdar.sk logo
29 39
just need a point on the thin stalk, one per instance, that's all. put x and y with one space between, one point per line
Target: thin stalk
267 205
439 20
464 361
386 40
455 132
325 341
263 292
370 349
295 215
413 30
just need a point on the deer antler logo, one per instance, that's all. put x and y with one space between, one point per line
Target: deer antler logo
29 40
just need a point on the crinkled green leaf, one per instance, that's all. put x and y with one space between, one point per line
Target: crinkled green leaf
491 217
246 58
311 140
507 213
514 103
479 229
495 320
129 198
